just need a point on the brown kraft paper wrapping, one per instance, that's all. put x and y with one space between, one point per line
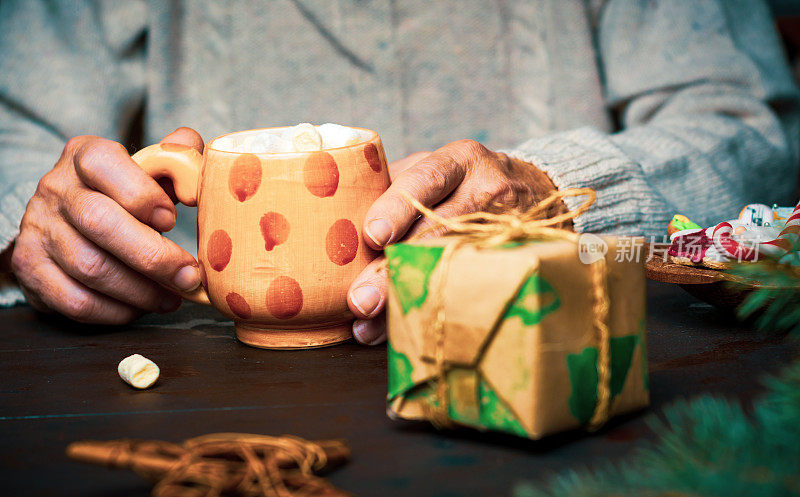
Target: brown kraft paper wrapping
519 346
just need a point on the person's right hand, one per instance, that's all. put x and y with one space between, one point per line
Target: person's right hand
89 245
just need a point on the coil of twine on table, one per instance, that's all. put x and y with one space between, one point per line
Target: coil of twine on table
486 230
229 463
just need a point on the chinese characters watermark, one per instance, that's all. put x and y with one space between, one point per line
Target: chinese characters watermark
592 248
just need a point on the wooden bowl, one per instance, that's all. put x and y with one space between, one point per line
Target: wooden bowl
718 288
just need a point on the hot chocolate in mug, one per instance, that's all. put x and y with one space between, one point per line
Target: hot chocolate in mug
279 236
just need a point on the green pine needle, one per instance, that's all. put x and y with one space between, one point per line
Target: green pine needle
707 447
776 302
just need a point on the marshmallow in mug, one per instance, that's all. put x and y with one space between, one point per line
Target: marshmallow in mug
304 137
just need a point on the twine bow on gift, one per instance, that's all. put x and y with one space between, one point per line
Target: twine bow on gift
486 230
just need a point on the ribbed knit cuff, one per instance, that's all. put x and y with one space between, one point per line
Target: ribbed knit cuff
585 157
12 206
10 295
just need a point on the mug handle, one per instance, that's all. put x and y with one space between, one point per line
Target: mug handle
181 164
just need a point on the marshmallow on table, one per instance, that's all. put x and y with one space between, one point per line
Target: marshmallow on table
138 371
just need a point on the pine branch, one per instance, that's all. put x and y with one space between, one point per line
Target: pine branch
707 447
776 301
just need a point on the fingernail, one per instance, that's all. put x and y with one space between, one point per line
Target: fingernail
187 278
170 303
162 219
366 298
380 231
368 331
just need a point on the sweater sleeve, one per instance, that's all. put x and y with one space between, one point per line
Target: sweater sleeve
66 69
708 113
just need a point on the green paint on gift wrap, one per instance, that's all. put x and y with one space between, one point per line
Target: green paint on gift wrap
583 378
411 267
510 245
523 381
494 414
400 370
463 405
621 358
527 307
515 244
583 375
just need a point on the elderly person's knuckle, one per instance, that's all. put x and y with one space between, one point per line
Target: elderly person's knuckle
429 175
94 214
92 264
503 163
509 196
495 193
155 257
50 184
115 148
20 259
94 152
136 199
80 306
471 147
39 217
500 188
84 153
143 197
75 143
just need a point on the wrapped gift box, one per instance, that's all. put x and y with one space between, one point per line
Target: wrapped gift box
518 344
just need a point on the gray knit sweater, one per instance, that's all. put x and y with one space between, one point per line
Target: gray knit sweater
661 106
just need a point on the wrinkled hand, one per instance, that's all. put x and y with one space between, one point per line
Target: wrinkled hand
459 178
89 245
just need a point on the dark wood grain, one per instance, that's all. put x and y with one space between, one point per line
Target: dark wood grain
658 269
58 384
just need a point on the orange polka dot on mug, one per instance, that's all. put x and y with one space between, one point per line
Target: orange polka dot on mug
245 177
219 250
341 243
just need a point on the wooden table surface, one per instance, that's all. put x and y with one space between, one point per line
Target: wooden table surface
58 383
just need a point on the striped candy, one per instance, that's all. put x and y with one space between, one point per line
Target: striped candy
788 238
785 242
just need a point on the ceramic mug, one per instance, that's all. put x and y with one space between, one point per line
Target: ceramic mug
278 234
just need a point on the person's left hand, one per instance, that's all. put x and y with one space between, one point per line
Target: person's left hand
459 178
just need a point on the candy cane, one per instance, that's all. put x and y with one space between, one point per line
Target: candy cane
721 237
786 240
788 237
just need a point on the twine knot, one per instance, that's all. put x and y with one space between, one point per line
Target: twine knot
489 229
254 467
